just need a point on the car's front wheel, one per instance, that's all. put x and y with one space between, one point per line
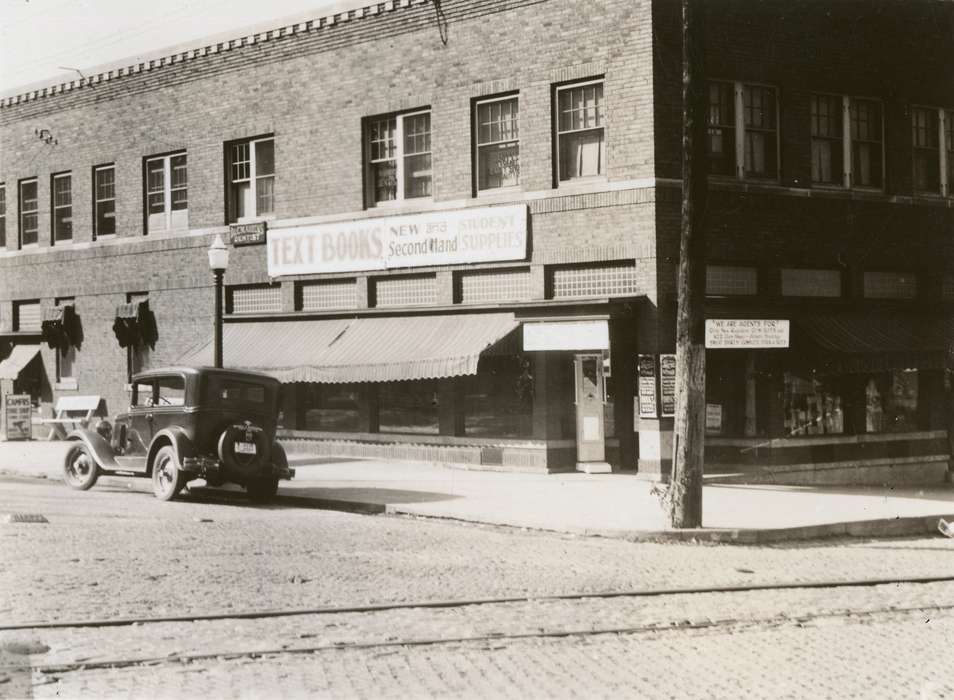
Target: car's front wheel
167 476
80 470
262 490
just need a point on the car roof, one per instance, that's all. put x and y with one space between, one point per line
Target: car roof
188 370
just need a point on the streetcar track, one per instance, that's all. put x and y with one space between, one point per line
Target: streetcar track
493 637
444 604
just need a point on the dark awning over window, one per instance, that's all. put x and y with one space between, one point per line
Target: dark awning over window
135 325
128 311
336 351
855 342
53 314
19 358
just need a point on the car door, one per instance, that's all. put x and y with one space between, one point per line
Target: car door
136 427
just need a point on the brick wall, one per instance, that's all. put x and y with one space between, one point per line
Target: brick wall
311 90
897 52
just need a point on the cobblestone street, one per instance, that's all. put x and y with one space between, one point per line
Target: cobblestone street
115 552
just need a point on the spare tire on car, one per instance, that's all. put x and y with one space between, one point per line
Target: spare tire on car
243 447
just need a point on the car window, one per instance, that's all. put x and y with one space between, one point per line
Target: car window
171 391
231 390
142 395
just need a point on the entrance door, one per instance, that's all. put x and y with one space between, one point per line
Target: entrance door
588 373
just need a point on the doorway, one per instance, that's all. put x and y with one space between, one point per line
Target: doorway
590 395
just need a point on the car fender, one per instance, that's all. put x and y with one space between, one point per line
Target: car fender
98 447
175 436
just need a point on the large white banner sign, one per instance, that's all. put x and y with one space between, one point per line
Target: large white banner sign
440 238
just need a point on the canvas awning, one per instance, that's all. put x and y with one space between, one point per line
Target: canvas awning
854 342
19 358
334 351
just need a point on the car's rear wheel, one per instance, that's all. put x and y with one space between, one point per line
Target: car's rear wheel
80 470
262 489
167 476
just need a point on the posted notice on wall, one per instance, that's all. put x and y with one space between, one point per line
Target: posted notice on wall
667 385
728 333
17 417
714 418
477 234
646 385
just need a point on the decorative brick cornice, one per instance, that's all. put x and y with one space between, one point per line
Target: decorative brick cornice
320 23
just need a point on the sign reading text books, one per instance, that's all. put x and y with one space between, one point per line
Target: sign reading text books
646 385
667 385
727 333
479 234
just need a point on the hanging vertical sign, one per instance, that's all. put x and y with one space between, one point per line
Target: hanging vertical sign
667 385
646 385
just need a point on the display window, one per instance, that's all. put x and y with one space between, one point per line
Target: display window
813 405
498 400
891 402
331 407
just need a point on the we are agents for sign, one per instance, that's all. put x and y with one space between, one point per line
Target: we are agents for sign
481 234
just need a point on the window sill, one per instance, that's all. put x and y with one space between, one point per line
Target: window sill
66 384
499 192
242 220
399 204
105 237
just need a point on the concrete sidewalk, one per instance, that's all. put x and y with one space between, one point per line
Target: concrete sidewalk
612 505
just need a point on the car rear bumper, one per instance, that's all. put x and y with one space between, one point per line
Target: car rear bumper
209 466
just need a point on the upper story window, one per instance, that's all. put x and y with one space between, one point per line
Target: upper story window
29 226
752 112
581 131
3 215
867 138
497 129
62 207
852 157
399 157
104 201
167 193
948 152
933 145
827 140
251 178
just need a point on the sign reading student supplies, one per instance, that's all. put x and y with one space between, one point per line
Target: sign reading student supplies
726 333
479 234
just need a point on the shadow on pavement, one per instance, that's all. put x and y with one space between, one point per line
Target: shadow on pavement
368 495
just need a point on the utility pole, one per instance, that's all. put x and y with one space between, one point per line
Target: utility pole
685 488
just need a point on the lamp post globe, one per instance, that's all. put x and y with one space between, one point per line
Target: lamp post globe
218 263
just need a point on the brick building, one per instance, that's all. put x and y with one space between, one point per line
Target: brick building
471 243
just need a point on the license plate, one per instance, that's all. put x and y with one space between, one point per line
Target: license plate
245 448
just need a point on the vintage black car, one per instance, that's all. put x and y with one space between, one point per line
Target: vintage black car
188 423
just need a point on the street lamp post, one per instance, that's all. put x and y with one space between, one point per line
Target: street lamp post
218 263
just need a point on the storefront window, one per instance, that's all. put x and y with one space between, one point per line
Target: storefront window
331 407
498 400
408 407
891 402
813 405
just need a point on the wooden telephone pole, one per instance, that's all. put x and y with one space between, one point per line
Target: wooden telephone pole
685 489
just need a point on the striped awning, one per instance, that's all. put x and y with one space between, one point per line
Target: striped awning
854 342
19 358
335 351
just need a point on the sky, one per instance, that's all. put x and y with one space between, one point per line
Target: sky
42 40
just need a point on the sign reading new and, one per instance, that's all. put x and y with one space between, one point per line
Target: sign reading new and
482 234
